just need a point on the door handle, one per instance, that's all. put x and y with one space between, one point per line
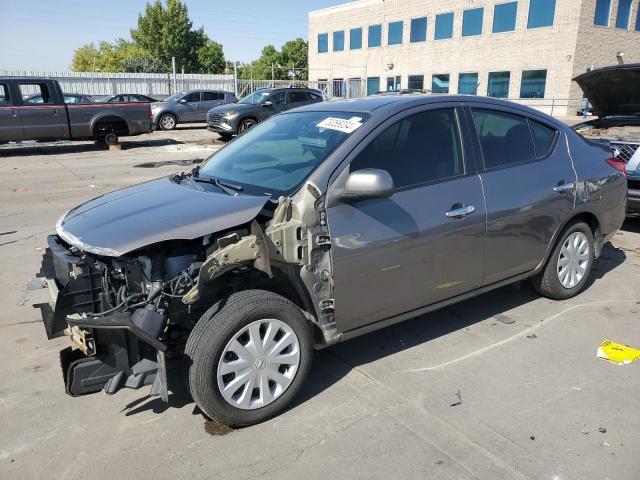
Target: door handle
461 212
564 187
13 113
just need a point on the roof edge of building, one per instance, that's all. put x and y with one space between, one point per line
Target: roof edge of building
344 7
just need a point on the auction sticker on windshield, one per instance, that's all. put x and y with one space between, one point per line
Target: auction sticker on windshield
341 124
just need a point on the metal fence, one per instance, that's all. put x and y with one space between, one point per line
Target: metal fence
100 83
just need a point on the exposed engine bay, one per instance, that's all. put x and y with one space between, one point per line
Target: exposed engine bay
128 313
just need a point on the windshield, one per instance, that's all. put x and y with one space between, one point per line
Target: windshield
255 98
175 97
276 156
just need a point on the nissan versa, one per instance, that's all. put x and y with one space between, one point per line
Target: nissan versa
318 225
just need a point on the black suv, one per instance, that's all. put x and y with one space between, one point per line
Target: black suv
228 120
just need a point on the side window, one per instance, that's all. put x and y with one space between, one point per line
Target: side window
4 94
33 93
421 148
543 138
193 97
278 98
505 138
297 97
210 96
71 99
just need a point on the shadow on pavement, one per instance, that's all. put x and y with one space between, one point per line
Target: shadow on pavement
62 148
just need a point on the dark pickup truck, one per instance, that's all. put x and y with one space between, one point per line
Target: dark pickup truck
50 119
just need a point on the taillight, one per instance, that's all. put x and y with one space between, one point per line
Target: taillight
618 164
149 112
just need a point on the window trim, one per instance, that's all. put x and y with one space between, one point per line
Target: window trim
615 25
554 142
595 11
467 148
369 35
333 38
327 43
474 9
351 30
553 22
515 20
477 145
395 22
435 25
426 29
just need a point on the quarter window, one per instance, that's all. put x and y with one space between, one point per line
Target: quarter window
323 43
375 36
440 83
504 138
541 13
338 41
504 17
624 14
395 33
603 11
468 83
421 148
416 81
355 39
472 22
418 30
543 138
444 26
498 85
533 83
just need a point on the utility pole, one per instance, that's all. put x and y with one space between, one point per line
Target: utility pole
173 67
235 76
273 74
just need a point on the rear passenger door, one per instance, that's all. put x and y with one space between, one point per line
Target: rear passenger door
210 100
10 123
423 244
528 182
296 99
44 118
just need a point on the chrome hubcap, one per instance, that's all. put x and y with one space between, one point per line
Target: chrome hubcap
258 364
573 260
168 122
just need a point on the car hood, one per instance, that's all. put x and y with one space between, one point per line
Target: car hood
232 107
156 211
612 90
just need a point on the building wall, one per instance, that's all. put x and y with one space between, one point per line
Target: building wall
562 49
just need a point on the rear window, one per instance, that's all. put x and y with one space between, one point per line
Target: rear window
505 138
4 94
543 138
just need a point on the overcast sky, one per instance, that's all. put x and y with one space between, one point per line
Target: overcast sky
42 34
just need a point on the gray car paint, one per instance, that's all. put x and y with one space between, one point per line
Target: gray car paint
189 111
156 211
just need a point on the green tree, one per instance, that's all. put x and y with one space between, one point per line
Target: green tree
211 58
84 58
107 57
291 62
294 56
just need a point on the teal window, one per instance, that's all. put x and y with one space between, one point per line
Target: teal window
373 85
395 33
468 83
338 41
603 11
355 39
375 36
541 13
472 22
323 43
624 14
444 26
498 85
418 30
416 81
504 17
440 83
533 83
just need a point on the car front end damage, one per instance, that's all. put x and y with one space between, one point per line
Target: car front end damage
129 311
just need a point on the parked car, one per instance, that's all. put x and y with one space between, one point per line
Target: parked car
614 93
47 116
316 226
125 97
229 120
68 98
188 107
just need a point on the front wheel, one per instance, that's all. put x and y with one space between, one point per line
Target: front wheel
246 124
250 355
567 270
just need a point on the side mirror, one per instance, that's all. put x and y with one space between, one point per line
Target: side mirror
367 183
268 103
182 100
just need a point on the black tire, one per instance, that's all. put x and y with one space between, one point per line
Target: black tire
214 331
547 283
111 139
246 124
167 121
225 137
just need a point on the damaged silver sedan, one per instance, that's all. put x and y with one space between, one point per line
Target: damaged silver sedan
316 226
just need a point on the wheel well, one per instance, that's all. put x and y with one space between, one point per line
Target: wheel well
249 117
110 125
588 218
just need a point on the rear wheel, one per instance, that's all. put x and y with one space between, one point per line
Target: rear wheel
167 121
567 270
250 355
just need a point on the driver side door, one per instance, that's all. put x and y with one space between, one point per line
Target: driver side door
423 244
188 110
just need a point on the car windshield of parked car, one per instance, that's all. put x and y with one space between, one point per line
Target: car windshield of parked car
255 98
277 156
175 97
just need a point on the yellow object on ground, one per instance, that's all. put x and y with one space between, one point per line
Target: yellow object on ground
617 353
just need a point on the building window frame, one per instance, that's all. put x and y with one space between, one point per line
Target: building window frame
371 82
599 15
415 82
526 90
358 32
468 16
494 80
444 29
537 18
395 82
416 36
511 22
338 41
395 37
462 75
323 43
375 28
441 77
623 16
